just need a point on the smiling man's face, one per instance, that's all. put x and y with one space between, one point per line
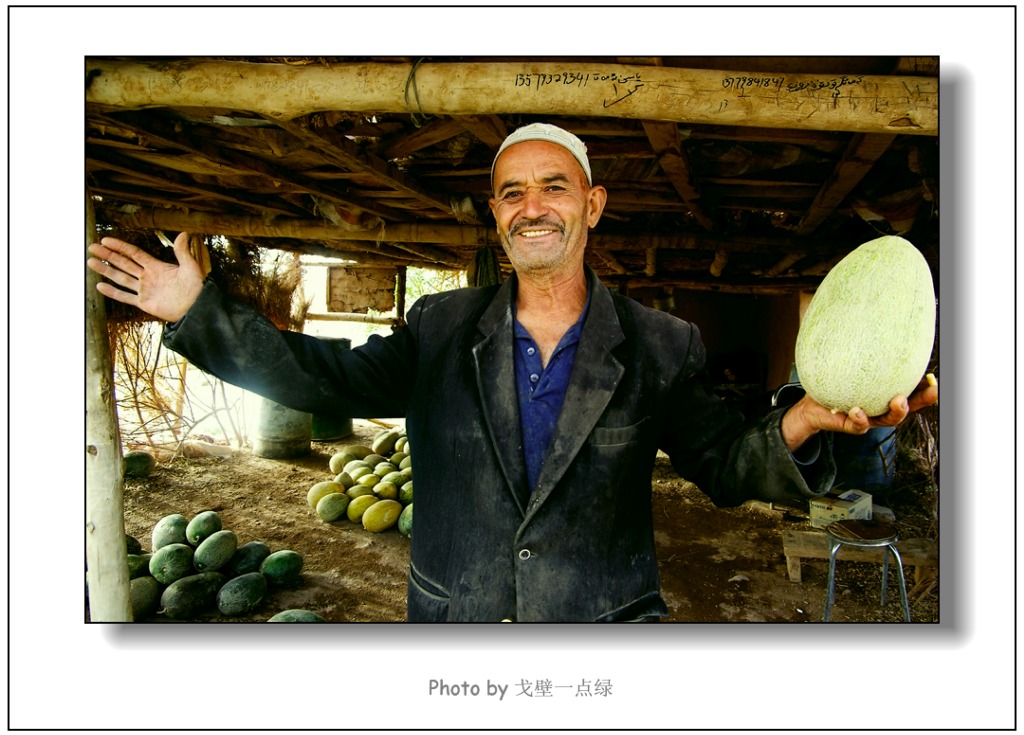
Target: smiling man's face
543 207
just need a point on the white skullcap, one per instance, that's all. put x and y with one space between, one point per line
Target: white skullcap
550 134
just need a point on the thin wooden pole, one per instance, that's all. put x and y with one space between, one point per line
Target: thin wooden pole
400 292
345 316
105 549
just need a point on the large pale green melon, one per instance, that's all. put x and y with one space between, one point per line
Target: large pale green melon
867 334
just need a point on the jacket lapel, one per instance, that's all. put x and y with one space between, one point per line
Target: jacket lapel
595 375
494 362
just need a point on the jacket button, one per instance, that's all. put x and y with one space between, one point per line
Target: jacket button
524 554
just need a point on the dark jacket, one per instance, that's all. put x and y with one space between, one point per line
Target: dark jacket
581 547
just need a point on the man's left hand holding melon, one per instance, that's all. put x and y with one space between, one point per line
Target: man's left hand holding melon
807 417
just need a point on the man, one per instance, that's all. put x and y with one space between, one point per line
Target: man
536 408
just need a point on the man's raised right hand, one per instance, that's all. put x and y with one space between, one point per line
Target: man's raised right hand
163 290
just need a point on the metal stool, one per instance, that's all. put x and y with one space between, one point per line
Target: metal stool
865 534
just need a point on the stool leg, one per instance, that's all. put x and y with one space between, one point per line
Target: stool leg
830 588
885 574
903 582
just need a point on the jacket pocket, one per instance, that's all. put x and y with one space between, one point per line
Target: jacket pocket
614 436
647 608
427 600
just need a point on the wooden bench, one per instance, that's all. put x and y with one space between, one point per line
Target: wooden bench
799 545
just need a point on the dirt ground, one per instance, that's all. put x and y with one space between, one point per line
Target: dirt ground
717 565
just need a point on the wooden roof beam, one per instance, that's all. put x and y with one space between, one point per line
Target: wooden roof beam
165 219
778 286
863 103
361 252
449 235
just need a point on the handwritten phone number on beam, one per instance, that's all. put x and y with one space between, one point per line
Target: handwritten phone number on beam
741 83
573 78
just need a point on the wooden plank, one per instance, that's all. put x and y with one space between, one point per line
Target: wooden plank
855 102
798 545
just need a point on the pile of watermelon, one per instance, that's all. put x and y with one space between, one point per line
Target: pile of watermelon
197 566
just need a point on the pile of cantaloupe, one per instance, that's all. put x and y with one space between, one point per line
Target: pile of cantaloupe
196 566
370 485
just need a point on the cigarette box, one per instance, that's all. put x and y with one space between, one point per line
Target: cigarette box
852 504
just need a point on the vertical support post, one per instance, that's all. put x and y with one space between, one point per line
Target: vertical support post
400 293
105 549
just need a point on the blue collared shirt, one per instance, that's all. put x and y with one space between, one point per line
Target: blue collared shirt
541 389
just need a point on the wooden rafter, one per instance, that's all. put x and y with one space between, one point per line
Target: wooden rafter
664 139
489 129
432 133
861 154
343 152
430 254
162 179
612 262
783 264
155 131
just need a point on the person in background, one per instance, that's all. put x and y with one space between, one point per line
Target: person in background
536 407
